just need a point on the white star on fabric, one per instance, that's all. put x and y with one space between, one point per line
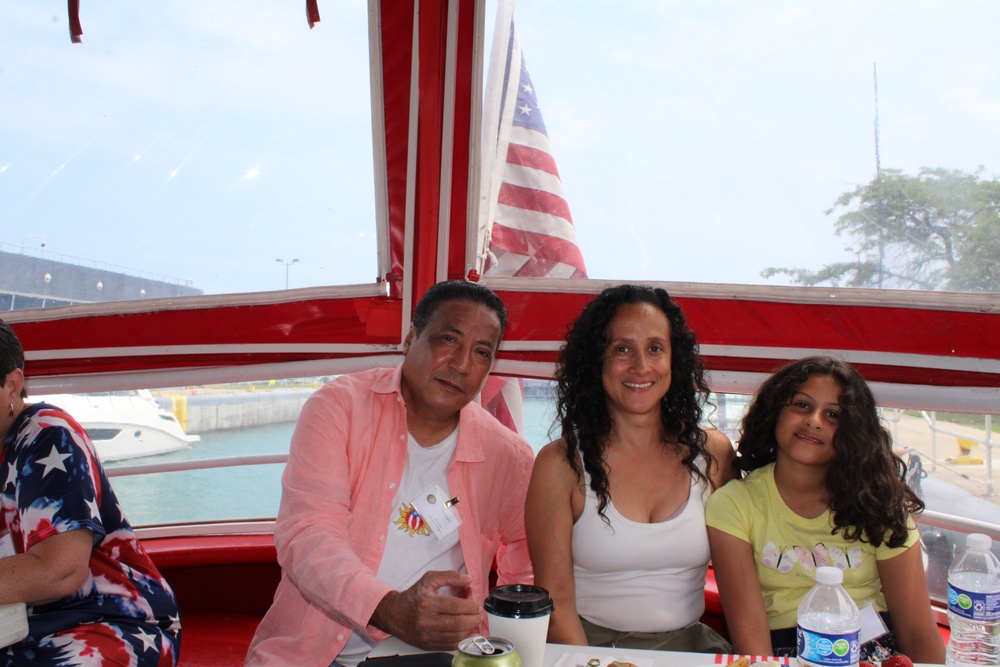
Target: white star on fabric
175 623
527 88
525 110
148 641
54 461
95 511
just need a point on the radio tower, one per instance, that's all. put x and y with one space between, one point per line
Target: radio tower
878 172
878 160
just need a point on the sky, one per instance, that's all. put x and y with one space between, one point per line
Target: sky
697 140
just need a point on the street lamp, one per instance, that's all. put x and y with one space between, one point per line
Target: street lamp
28 238
287 266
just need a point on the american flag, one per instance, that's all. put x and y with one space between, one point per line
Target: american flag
529 231
532 233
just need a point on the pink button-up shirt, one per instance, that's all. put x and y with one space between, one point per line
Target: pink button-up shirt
346 462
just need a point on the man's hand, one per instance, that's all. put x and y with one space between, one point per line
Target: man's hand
426 619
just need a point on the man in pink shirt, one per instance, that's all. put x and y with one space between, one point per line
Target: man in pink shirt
399 492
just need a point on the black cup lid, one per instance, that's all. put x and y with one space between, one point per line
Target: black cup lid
518 601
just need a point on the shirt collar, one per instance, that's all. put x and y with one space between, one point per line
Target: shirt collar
469 448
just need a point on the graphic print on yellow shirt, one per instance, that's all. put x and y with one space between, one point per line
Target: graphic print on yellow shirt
783 559
788 548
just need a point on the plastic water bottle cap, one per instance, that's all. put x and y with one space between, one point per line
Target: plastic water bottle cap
979 542
829 575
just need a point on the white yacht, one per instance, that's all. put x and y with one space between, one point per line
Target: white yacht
124 424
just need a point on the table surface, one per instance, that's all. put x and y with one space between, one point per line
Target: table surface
554 652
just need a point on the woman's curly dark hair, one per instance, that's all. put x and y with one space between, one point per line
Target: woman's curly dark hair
582 409
869 497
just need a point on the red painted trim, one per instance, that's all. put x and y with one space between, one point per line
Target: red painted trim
433 43
871 372
740 324
75 27
312 13
152 363
764 323
330 320
459 205
171 553
396 34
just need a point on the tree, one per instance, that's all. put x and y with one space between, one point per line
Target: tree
937 230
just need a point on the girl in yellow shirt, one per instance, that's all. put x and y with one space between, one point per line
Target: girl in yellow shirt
822 486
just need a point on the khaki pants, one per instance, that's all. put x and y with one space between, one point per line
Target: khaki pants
695 638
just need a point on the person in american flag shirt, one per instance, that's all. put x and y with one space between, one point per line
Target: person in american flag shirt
93 595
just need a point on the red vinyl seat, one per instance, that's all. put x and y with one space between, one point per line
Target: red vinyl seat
224 585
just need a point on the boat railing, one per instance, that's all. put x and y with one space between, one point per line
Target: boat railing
965 441
963 463
196 464
958 524
928 517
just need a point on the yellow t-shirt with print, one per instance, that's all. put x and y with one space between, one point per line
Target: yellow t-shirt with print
788 548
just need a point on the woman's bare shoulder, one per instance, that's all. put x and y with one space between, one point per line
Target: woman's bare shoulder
553 481
723 454
717 440
552 463
553 454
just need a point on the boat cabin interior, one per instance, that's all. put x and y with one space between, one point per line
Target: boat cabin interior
921 350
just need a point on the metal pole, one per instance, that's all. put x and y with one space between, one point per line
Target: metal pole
288 266
989 450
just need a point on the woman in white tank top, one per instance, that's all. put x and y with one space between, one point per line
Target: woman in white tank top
615 509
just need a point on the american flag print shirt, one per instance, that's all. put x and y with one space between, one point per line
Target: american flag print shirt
125 613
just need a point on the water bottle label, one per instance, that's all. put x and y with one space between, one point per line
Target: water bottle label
818 648
974 606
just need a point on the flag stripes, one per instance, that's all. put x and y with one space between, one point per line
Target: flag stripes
532 233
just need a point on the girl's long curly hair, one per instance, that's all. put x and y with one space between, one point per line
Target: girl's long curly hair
582 409
869 497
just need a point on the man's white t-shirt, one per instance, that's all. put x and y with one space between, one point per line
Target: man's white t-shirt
411 548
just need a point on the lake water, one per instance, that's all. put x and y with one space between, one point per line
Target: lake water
246 491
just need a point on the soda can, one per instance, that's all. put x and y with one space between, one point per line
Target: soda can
485 652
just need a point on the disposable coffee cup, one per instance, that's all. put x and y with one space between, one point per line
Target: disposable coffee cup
520 614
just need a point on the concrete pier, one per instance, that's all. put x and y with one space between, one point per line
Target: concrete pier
201 413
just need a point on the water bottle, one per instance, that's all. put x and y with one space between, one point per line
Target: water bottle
829 623
974 605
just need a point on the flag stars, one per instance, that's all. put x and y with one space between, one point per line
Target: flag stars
54 461
175 623
95 511
148 641
525 110
527 88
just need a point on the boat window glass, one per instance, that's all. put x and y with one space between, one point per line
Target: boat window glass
204 148
191 426
713 142
944 453
183 148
